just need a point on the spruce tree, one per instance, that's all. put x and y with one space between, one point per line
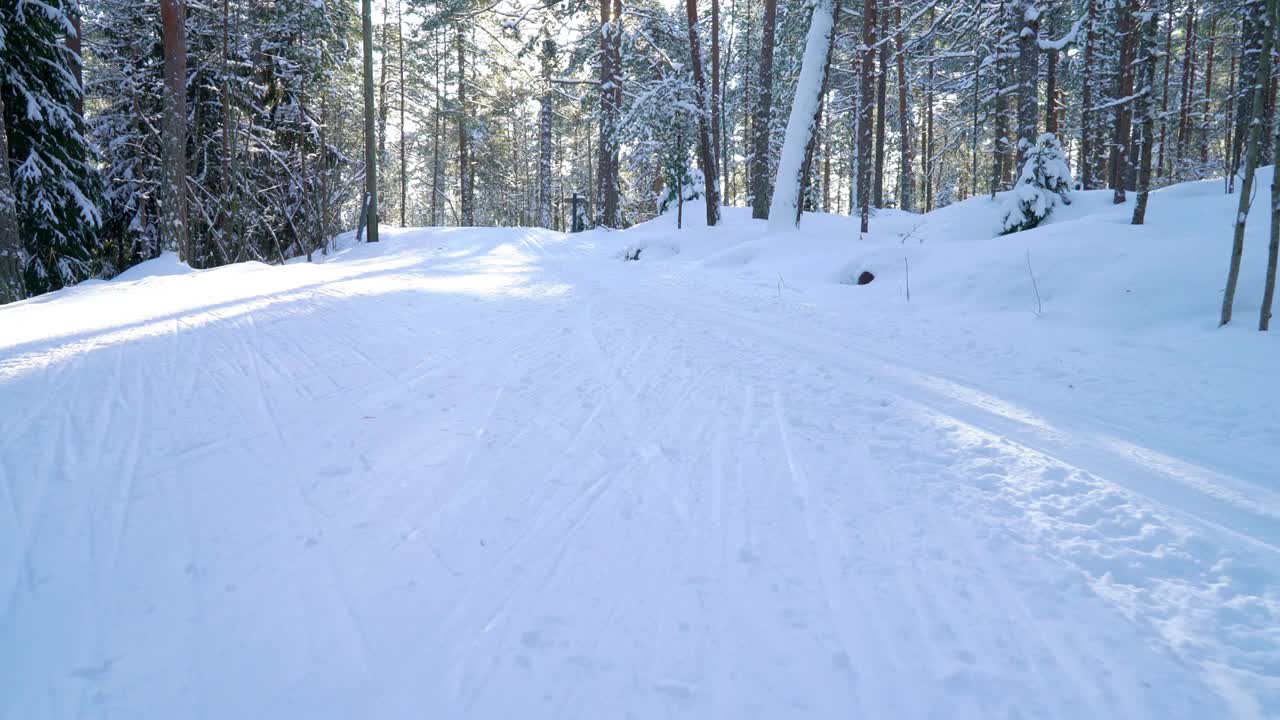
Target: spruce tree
55 180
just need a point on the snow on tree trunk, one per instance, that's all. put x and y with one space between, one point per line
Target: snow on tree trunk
609 189
706 152
1027 21
1145 110
760 123
1257 111
804 113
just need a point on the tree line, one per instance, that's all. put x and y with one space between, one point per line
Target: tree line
233 130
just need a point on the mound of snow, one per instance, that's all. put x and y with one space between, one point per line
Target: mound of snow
167 264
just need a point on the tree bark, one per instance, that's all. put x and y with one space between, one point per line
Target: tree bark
906 179
1257 110
717 107
173 219
882 83
544 135
12 286
761 124
1144 108
865 110
609 190
1164 100
706 151
1027 20
1120 159
1088 115
404 159
1206 105
466 210
370 137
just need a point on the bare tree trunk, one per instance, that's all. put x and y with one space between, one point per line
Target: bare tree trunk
1273 245
370 137
1120 159
1205 105
466 211
761 124
865 109
12 285
882 82
436 165
1164 100
1144 109
906 181
928 140
973 138
382 87
706 152
610 210
1088 118
75 43
1257 111
544 135
717 107
1252 38
228 211
404 158
173 219
1184 87
1028 77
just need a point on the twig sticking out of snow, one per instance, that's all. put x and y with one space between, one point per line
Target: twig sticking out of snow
1039 307
907 265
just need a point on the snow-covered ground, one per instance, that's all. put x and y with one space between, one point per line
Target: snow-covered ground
504 473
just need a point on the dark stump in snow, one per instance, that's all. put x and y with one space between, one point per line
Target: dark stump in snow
865 278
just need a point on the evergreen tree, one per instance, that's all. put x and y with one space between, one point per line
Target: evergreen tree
1044 184
56 186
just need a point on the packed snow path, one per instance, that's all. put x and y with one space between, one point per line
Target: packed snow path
490 474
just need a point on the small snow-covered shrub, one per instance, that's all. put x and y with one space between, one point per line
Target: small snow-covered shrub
691 182
1045 183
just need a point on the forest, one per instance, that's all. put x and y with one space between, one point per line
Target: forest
260 129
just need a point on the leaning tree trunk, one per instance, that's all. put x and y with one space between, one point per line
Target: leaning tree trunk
865 112
173 188
1257 110
804 116
760 124
1144 108
11 284
706 151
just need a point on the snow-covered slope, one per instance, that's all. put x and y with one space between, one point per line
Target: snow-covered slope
504 473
